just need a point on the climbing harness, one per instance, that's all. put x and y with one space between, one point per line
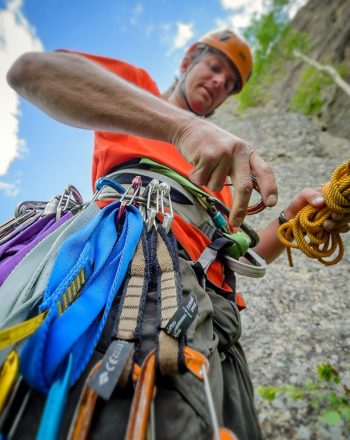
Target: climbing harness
305 231
83 264
205 212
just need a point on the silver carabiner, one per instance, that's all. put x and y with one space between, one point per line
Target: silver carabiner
168 216
151 212
30 205
136 185
71 198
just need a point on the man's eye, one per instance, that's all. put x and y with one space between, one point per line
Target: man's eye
215 68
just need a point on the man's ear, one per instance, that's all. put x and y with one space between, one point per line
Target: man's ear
187 60
185 63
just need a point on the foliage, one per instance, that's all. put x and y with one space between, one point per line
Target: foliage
327 397
273 42
311 92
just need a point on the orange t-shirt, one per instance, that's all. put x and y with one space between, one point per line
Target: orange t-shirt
113 149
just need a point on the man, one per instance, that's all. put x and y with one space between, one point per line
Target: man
79 93
131 120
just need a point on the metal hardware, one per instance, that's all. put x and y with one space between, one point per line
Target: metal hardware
168 216
151 212
101 183
254 237
257 207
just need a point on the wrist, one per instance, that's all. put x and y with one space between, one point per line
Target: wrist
185 124
285 215
282 218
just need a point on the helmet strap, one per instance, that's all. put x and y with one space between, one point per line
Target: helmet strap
182 86
183 92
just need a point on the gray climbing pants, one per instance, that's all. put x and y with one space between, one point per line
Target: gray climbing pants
181 410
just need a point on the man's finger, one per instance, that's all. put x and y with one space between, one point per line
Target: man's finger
218 176
200 174
243 185
265 178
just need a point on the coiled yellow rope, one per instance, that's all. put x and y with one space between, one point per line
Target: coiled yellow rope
305 231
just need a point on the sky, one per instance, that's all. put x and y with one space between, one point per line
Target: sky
39 156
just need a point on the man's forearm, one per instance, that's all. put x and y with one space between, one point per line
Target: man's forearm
78 92
269 246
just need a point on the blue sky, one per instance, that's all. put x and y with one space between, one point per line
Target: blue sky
39 156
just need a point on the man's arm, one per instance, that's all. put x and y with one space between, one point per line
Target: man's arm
78 92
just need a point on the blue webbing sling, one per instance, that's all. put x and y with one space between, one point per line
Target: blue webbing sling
88 272
54 407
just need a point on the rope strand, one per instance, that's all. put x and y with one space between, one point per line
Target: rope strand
305 231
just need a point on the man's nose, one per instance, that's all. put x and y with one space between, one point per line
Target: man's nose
219 81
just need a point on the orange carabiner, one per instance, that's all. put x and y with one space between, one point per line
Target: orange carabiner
143 396
82 418
195 361
259 206
198 365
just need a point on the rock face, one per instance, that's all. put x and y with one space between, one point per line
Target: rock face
297 318
327 23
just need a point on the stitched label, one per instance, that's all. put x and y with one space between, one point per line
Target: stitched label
106 377
183 318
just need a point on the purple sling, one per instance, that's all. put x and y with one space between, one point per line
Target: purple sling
14 250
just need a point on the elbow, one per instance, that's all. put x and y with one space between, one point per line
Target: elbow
21 71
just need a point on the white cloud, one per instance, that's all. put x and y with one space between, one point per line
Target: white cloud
184 32
136 13
244 10
10 189
242 13
149 29
232 4
16 37
138 9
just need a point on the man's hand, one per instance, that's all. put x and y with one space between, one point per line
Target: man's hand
314 197
216 154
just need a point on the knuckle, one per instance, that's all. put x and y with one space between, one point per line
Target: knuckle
226 153
244 186
266 169
241 147
243 150
209 155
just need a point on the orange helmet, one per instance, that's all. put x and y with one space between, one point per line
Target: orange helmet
236 50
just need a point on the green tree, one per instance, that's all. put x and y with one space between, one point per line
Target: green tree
273 42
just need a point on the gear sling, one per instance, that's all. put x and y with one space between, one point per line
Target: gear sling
116 285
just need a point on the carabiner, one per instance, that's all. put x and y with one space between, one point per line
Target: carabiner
168 217
142 401
259 206
136 185
254 237
151 212
198 365
66 202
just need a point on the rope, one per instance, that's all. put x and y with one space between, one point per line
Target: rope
305 231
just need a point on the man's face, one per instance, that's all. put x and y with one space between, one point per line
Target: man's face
209 82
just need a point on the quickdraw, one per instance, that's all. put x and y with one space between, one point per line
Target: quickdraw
68 282
211 219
